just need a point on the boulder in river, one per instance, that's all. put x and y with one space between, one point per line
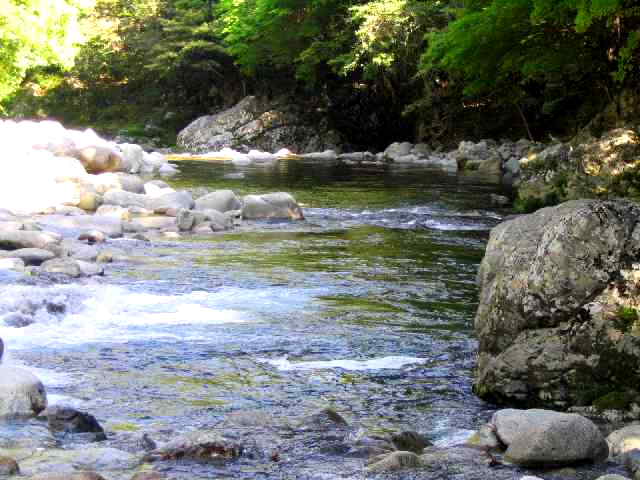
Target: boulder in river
557 322
545 438
220 200
99 159
198 445
21 393
271 205
68 420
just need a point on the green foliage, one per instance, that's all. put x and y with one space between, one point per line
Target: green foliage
616 401
625 318
35 33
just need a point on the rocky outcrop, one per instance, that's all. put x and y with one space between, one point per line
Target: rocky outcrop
587 167
557 322
261 124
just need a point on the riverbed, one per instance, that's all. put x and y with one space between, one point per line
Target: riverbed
365 307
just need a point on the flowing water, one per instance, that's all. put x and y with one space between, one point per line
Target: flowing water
365 307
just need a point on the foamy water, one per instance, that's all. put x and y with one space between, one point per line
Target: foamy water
394 362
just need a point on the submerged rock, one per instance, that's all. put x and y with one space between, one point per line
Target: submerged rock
68 420
197 445
556 322
393 461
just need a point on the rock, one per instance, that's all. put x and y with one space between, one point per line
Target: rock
21 393
326 156
185 220
92 237
554 287
148 476
125 199
398 150
98 159
30 256
68 420
538 438
68 462
612 476
219 222
197 445
410 441
220 200
499 200
482 156
624 440
631 461
15 240
77 226
167 170
150 223
64 266
68 476
271 205
153 190
175 200
18 320
393 461
104 257
114 211
589 167
8 467
9 263
132 157
268 125
88 269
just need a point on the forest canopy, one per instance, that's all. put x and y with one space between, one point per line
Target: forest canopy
413 68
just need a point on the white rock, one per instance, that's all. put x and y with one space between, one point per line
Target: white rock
21 393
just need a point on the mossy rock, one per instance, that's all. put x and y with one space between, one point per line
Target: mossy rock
616 401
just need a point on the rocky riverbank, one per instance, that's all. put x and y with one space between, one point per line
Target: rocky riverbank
98 201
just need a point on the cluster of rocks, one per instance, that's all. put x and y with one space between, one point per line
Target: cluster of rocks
89 192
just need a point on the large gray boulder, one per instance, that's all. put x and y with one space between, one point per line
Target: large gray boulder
271 205
556 321
624 440
544 438
267 125
14 240
220 200
21 393
30 256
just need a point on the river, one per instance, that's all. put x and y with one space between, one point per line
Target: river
366 307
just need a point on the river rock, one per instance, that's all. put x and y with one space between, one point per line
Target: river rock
612 476
631 461
148 476
15 240
198 445
410 441
8 466
185 220
124 199
68 476
62 266
92 237
218 221
624 440
30 256
21 393
132 157
540 438
554 287
266 124
99 159
114 211
220 200
271 205
67 462
171 200
15 264
326 156
483 157
393 461
76 226
68 420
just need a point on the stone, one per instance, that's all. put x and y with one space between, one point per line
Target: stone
410 441
199 445
8 467
132 157
175 200
612 476
15 264
30 256
266 124
552 285
92 237
326 156
114 211
631 461
185 220
499 200
271 205
624 440
21 393
15 240
77 226
99 159
68 476
393 461
539 438
220 200
219 222
67 420
88 269
62 266
18 320
485 438
148 476
130 183
398 150
124 199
